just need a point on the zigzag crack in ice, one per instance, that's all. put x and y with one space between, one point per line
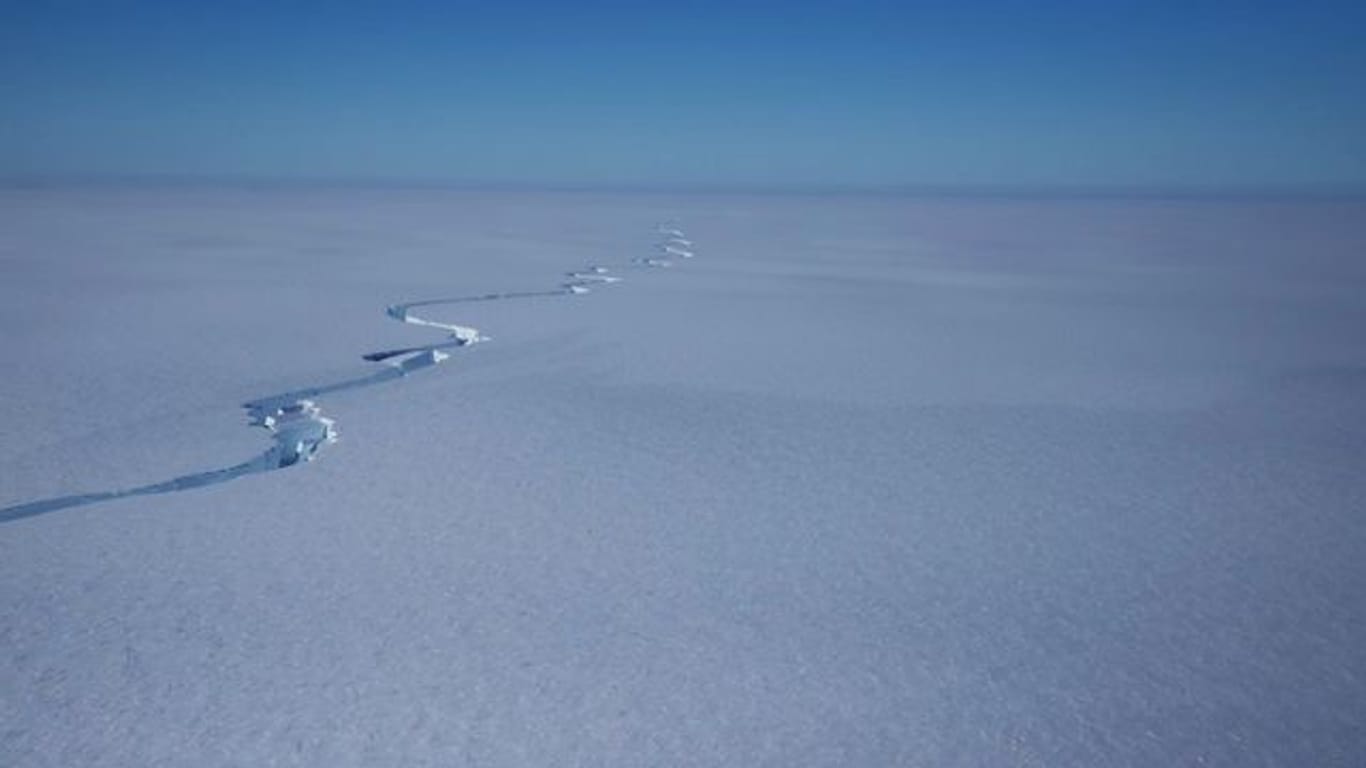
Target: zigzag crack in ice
294 419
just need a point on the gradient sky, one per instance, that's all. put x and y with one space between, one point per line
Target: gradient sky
1048 92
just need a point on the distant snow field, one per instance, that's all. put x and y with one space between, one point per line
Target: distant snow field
862 481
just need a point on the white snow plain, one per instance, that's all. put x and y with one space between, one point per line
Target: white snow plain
869 481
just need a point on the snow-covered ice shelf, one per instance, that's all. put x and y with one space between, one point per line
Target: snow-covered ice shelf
870 481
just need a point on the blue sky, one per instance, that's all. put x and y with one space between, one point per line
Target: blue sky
1050 92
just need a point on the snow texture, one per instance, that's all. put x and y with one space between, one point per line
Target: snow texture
869 481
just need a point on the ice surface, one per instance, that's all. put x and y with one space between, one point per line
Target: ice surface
870 481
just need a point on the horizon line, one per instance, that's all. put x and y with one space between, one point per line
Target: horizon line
1323 190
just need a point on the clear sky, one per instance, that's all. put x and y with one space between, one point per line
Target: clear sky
1042 92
